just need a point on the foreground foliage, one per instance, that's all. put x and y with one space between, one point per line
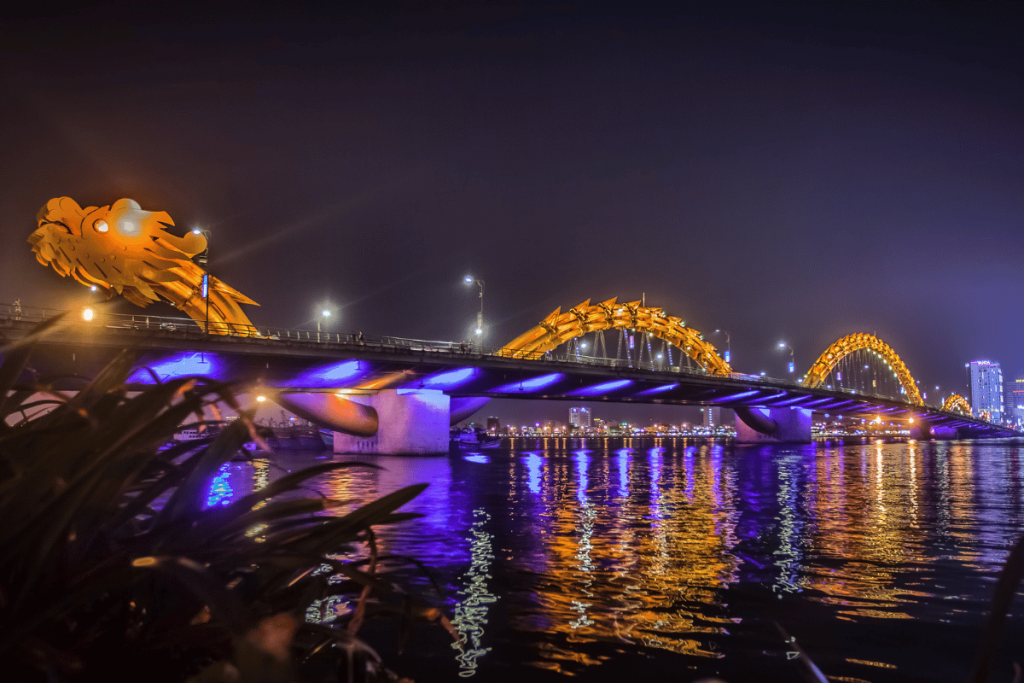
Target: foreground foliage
112 567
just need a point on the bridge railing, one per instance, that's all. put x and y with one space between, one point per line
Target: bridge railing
188 329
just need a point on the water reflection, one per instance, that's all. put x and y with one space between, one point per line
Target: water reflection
470 614
574 552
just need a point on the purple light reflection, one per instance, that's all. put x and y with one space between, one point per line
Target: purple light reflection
582 463
623 458
533 472
654 474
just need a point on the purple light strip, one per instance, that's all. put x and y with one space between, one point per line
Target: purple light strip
658 390
528 385
735 396
604 388
791 401
816 402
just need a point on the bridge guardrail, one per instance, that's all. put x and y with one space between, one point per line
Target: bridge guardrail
187 329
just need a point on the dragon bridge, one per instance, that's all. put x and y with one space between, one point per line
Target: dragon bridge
957 404
558 328
852 343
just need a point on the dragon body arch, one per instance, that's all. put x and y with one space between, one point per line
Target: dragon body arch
558 328
957 404
851 343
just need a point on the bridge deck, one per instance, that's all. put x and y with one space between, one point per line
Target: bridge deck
74 350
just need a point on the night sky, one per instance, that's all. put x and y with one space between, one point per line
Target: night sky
793 172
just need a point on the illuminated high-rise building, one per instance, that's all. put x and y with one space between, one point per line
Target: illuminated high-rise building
579 417
712 416
987 389
1014 400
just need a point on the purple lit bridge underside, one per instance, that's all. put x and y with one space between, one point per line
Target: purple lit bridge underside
349 370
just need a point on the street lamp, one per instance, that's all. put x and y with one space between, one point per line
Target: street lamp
323 317
479 330
727 354
203 258
792 359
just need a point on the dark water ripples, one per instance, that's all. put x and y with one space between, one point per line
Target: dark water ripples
609 558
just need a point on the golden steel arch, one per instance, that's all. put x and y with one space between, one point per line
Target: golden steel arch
855 342
558 328
957 404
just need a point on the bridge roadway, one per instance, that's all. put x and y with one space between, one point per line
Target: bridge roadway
297 360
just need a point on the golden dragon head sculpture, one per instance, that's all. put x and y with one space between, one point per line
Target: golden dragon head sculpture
122 248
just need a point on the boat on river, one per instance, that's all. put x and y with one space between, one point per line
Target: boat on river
469 438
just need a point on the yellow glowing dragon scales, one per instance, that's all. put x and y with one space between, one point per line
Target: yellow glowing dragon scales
121 248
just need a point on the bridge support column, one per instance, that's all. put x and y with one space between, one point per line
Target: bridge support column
412 422
773 425
945 433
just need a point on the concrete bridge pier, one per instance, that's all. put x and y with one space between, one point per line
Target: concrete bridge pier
387 422
411 422
772 425
926 432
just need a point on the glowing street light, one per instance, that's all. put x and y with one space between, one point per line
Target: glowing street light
205 287
727 354
792 359
323 318
87 314
469 280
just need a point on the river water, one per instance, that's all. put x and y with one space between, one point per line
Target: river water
675 559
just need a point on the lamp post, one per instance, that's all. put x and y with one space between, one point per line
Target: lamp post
726 357
203 258
792 358
325 313
479 330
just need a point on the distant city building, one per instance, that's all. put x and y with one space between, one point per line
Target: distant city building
712 416
493 425
987 389
1014 400
579 417
551 426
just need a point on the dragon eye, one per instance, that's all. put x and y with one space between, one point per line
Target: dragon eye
101 226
